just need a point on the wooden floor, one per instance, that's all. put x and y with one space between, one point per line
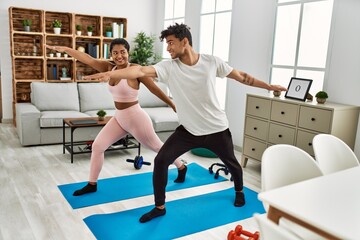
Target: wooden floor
32 207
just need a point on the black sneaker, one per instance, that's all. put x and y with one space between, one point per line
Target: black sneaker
239 199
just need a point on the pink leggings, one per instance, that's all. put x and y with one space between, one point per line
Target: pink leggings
133 120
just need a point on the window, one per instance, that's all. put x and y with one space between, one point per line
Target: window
215 29
174 13
301 41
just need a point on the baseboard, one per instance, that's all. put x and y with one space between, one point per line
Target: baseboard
238 148
6 120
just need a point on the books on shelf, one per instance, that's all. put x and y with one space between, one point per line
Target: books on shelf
118 30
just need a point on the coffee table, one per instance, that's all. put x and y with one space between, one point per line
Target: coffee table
85 146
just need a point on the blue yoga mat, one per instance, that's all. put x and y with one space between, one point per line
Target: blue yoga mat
183 217
132 186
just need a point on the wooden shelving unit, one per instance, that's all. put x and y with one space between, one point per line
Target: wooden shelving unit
31 61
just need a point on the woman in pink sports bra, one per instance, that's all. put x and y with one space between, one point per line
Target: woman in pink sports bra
129 116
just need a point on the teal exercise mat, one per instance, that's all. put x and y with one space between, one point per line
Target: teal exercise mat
183 217
132 186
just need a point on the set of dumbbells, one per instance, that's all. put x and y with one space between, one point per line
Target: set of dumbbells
240 234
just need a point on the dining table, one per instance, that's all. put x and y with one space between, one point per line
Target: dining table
328 205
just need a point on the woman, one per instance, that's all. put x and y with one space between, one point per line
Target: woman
129 117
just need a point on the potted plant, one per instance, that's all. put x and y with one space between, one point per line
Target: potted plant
90 29
56 24
101 114
108 31
321 97
78 30
143 53
51 54
27 24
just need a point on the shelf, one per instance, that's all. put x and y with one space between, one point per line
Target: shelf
31 61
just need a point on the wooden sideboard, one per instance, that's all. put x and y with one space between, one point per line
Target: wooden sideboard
275 120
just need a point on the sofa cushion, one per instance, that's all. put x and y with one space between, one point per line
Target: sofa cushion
55 96
148 99
55 118
94 96
163 118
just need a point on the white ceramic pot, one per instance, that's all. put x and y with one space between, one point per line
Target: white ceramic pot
57 30
89 33
78 33
58 54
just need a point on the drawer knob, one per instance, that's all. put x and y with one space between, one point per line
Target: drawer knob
255 128
280 136
282 112
253 149
312 119
310 144
257 107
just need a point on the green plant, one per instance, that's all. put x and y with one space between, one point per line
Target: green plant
108 29
321 94
56 24
101 113
27 22
78 27
143 52
90 28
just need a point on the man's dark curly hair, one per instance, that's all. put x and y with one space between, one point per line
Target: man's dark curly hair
180 31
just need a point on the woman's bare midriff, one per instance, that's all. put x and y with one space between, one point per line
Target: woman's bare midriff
124 105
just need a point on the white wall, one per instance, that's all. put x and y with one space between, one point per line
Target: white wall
343 80
141 16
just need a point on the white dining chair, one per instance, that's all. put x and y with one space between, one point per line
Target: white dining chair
333 154
271 231
284 164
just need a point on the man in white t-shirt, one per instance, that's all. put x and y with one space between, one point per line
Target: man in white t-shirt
203 124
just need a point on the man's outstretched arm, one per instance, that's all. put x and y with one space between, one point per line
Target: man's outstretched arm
247 79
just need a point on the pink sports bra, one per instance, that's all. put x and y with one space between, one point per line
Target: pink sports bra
122 92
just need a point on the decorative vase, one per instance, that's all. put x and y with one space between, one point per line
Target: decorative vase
321 100
108 34
78 33
277 93
89 34
57 30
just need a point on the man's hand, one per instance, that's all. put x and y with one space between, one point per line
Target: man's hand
277 88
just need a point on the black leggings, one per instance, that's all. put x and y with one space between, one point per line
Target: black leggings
182 141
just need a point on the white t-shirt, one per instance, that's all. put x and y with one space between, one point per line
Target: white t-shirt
193 91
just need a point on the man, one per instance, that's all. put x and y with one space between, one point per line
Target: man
203 124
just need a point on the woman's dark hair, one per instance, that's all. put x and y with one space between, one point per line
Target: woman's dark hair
180 31
120 41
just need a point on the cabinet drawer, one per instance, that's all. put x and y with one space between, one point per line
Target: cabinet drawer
258 107
304 141
256 128
281 135
253 149
315 119
284 112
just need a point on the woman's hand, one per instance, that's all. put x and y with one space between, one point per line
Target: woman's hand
102 77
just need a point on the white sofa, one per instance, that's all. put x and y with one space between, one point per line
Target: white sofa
40 122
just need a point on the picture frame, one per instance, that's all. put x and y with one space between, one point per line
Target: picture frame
298 88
